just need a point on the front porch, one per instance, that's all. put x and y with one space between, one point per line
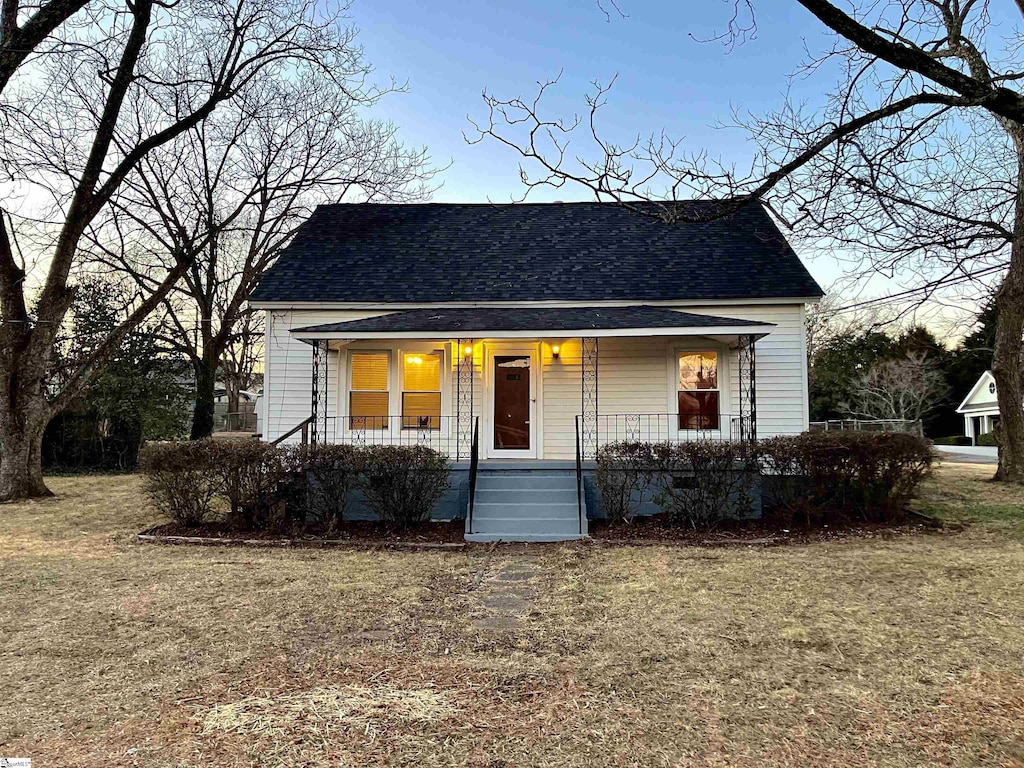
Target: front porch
521 403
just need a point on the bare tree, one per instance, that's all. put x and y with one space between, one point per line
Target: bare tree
240 185
242 356
89 92
914 160
907 388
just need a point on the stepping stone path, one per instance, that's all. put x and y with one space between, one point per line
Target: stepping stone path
506 593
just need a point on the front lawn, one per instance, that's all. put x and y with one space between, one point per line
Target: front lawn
892 651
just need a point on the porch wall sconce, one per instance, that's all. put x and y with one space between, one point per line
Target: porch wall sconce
556 350
468 350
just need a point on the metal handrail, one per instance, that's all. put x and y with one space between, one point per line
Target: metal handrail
474 464
302 425
579 475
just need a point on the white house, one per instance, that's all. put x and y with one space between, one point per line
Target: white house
980 408
533 333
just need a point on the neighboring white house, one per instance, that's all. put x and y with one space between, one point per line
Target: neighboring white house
533 332
980 408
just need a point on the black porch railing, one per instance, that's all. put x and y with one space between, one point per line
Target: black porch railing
438 432
668 427
579 474
474 464
302 426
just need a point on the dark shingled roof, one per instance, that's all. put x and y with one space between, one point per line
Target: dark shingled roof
531 252
529 319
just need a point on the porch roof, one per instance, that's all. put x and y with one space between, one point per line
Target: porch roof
520 322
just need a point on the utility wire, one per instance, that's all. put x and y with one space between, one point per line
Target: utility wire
881 301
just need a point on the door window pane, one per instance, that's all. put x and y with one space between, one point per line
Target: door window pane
512 403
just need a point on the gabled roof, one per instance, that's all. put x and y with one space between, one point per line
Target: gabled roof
579 252
477 322
983 381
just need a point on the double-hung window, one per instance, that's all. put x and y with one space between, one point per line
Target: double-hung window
368 392
697 390
421 390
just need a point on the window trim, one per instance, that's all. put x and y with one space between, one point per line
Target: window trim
347 394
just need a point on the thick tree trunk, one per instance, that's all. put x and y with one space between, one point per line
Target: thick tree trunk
1008 355
21 466
202 415
1008 371
24 408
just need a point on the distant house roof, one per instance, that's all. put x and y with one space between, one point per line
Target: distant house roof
576 252
475 321
982 396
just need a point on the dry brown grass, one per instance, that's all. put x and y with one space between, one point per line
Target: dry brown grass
966 493
894 652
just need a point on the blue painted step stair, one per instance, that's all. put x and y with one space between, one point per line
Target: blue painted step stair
526 505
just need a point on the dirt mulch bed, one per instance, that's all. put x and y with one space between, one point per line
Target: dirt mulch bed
643 531
754 533
360 533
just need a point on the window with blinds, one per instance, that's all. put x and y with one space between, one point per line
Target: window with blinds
368 390
421 390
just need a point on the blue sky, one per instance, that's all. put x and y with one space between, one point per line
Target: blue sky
450 51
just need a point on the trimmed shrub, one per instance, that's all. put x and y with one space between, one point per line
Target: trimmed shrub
249 472
988 440
403 482
180 479
624 473
824 477
322 477
701 483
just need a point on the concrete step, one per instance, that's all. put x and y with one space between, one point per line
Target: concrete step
523 537
526 511
527 480
526 495
526 505
525 525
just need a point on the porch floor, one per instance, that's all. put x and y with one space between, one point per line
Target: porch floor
527 465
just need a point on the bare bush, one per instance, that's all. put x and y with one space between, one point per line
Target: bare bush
402 483
624 474
701 483
180 480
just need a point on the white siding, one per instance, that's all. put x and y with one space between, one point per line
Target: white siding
288 386
289 370
635 375
781 369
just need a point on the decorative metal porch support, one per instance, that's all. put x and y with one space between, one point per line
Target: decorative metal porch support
464 401
318 426
748 388
588 378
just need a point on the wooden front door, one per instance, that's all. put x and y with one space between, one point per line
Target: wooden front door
511 377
